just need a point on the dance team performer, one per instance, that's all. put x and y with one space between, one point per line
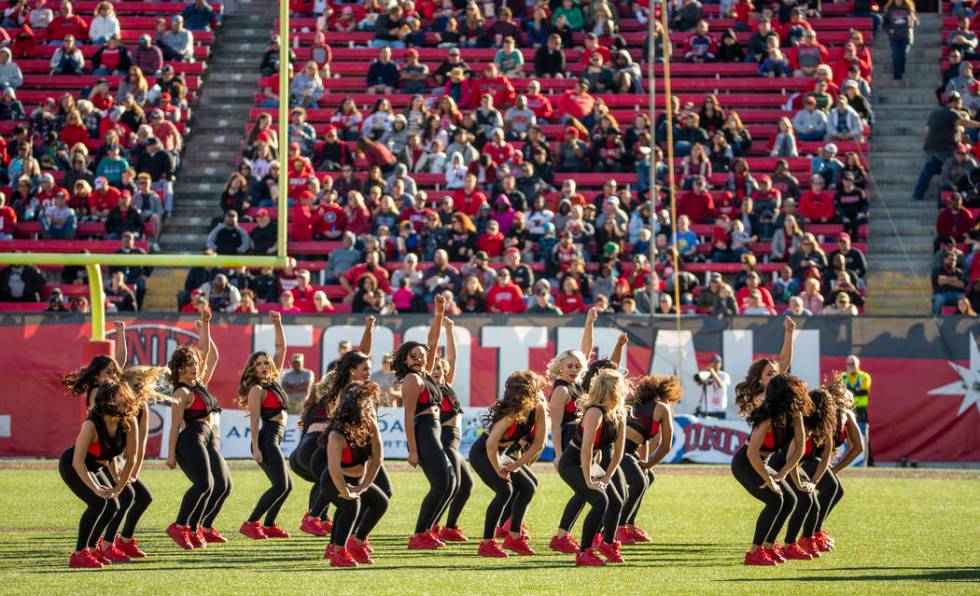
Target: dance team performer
261 395
649 432
309 459
354 456
451 435
412 364
193 442
603 424
519 414
751 391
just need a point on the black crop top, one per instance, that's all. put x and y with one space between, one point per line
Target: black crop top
316 414
776 439
202 403
841 435
429 395
105 446
449 408
355 455
575 391
643 422
520 431
605 433
274 401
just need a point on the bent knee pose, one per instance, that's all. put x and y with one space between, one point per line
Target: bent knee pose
422 398
519 415
603 425
354 456
450 418
193 442
261 395
107 432
650 425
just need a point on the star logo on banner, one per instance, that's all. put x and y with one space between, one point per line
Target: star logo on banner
969 384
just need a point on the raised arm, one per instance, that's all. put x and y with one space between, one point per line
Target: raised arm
211 354
448 325
617 353
120 355
432 343
367 339
587 333
786 354
280 356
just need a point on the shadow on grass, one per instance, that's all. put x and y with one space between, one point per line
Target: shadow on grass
935 574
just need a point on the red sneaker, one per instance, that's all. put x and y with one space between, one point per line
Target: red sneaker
434 535
611 552
823 545
196 538
342 558
794 552
452 535
518 545
624 535
252 530
809 546
490 548
130 549
597 541
588 558
275 531
367 546
179 535
422 541
312 526
214 536
564 544
328 553
501 532
758 557
100 556
112 553
84 559
358 553
639 535
326 524
826 539
776 554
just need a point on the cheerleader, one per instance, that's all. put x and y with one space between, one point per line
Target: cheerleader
308 459
603 424
518 415
450 418
412 364
650 426
261 395
776 422
354 456
750 392
193 442
107 432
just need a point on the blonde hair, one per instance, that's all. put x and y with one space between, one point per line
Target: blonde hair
554 367
608 391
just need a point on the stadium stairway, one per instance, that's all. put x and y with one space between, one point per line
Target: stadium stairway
901 230
162 288
220 117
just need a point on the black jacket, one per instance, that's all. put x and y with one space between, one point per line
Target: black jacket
33 280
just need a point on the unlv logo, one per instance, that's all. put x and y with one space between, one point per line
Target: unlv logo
152 345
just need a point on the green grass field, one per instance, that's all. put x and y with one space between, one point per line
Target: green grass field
896 531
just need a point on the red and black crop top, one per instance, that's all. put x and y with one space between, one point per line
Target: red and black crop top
520 431
449 408
202 403
605 432
776 439
355 455
429 394
643 422
570 413
316 414
840 436
274 401
105 446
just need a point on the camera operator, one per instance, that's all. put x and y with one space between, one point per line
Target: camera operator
714 382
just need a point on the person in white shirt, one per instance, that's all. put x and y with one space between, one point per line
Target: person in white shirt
714 383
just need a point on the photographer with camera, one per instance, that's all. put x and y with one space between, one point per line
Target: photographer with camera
714 382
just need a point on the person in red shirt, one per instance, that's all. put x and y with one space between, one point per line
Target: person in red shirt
66 23
104 197
576 103
303 292
849 58
494 84
470 198
370 265
569 298
491 241
538 103
111 59
299 173
753 283
592 46
376 154
74 132
8 219
727 205
697 203
954 220
301 219
45 195
817 204
500 151
330 218
505 296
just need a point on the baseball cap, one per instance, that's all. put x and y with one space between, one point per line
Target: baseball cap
715 277
482 256
952 96
716 358
830 148
145 39
512 250
843 236
848 175
262 213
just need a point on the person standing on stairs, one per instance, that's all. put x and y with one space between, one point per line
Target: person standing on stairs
899 23
941 140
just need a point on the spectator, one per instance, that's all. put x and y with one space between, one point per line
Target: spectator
756 305
851 204
509 59
784 143
147 58
685 240
306 88
689 135
785 287
104 25
112 59
827 165
123 218
472 297
956 168
570 300
391 29
808 55
414 75
287 304
810 124
8 219
66 23
542 304
700 46
178 42
222 296
199 16
296 381
549 59
40 16
247 305
382 76
521 274
941 140
21 283
730 50
440 276
853 258
900 22
796 308
135 275
56 301
571 13
753 283
710 294
575 103
955 221
841 306
811 298
10 74
697 203
775 64
228 238
67 59
817 204
810 260
159 165
118 295
59 221
264 234
10 107
844 123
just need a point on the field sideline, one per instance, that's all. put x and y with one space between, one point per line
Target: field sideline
896 530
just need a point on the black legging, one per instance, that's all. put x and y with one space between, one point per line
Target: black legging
807 506
605 506
520 487
98 511
300 461
575 503
435 465
777 506
359 515
462 485
829 492
133 501
199 456
638 481
274 466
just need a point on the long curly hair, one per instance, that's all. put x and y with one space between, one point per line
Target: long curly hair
179 360
786 395
399 360
663 388
145 383
748 393
250 378
342 376
837 387
822 422
608 391
354 410
594 368
81 381
521 391
115 400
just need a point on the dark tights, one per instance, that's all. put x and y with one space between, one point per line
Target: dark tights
308 461
199 456
575 503
435 465
274 466
462 485
777 506
359 515
638 481
829 492
133 501
517 490
605 506
98 511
